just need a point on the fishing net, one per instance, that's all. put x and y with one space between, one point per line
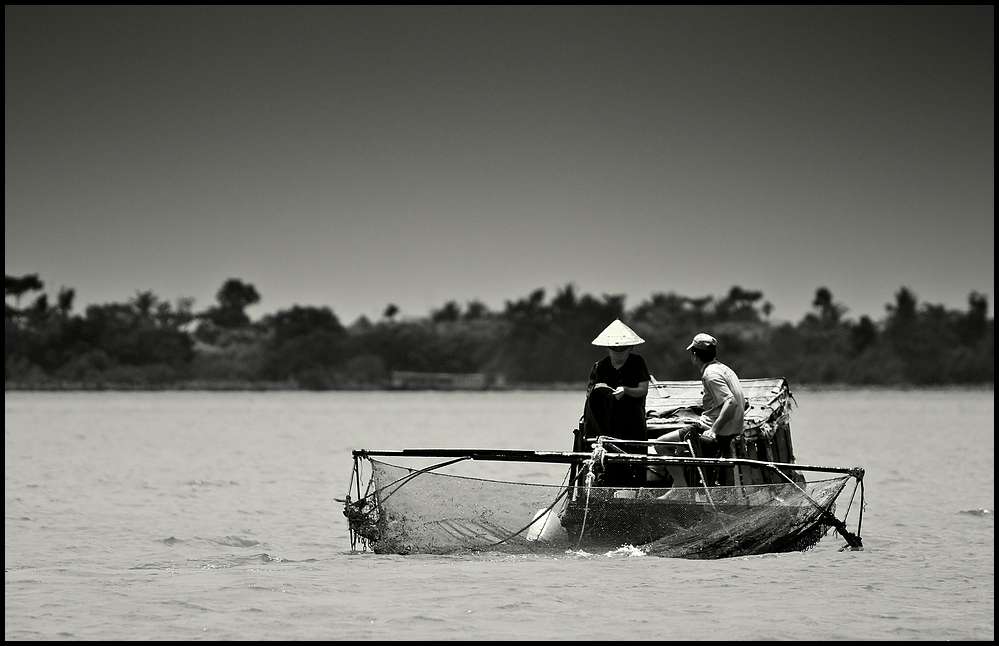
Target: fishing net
407 511
712 522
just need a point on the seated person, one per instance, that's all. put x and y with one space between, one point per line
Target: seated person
723 404
615 401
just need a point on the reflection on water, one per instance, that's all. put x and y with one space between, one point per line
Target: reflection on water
183 515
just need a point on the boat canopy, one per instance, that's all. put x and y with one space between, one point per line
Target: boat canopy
767 427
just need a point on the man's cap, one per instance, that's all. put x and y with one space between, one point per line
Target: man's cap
703 341
617 335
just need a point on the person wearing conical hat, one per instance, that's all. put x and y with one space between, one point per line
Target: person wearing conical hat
615 398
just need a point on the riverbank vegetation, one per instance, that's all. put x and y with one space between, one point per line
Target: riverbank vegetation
535 341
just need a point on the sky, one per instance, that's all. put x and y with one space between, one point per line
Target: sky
356 157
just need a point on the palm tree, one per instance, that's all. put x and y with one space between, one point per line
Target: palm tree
18 286
65 300
144 302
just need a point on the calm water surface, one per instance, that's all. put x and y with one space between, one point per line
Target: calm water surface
211 516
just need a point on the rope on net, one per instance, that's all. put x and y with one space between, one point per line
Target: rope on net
597 459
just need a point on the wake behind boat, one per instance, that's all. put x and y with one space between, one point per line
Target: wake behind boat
755 500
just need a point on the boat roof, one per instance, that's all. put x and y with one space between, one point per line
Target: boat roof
767 398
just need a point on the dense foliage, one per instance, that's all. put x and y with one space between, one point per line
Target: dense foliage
147 342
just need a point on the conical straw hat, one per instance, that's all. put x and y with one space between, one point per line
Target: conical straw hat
617 334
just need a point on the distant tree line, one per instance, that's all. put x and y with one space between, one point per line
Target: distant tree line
147 342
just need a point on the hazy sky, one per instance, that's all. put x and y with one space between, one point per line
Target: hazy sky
356 157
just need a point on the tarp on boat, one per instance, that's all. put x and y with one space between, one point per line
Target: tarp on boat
766 434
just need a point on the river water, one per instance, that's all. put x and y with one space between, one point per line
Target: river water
189 515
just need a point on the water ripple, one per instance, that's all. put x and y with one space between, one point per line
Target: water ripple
232 541
977 512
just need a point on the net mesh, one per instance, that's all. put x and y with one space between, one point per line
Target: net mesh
414 512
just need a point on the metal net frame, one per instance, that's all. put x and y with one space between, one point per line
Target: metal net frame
423 511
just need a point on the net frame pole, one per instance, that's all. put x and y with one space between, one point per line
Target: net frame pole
569 457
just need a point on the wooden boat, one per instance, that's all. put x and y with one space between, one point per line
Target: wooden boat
692 504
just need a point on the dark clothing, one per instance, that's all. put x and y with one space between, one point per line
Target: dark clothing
717 447
621 418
